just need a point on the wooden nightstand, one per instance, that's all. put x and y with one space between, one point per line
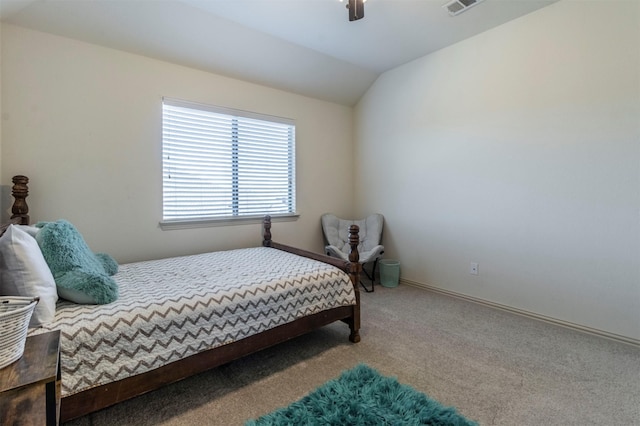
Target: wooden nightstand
30 387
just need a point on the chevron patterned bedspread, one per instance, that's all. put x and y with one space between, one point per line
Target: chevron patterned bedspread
172 308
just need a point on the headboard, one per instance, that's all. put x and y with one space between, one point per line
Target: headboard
19 210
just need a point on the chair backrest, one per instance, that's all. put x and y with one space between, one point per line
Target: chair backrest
336 231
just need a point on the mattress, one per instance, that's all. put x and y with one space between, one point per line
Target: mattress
172 308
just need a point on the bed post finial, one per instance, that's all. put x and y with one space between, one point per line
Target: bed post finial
20 192
266 231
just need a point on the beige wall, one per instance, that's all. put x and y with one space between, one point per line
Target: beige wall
84 123
518 149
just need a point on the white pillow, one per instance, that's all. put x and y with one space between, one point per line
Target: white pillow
24 272
29 229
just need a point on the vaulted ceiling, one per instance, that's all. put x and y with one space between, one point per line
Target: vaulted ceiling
303 46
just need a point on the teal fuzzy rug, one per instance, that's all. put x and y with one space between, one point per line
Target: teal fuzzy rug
362 396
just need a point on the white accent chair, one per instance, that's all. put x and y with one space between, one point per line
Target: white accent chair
336 235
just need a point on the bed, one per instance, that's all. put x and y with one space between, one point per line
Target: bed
178 317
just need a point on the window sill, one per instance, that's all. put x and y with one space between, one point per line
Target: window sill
170 225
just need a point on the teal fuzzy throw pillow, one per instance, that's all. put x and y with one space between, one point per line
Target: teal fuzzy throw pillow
80 275
108 263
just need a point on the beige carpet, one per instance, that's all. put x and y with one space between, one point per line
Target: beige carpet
494 367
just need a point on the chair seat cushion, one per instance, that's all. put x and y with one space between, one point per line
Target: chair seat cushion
365 256
336 233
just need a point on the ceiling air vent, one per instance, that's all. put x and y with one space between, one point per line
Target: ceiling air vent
456 7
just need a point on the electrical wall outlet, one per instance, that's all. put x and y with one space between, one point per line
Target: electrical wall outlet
473 268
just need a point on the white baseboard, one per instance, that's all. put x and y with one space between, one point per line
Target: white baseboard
582 328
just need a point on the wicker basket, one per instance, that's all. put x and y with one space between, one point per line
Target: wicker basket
15 314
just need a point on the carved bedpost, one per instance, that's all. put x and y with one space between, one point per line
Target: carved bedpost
355 268
354 240
266 231
20 192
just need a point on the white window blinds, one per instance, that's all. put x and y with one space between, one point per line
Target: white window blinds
220 163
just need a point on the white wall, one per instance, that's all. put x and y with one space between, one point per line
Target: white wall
518 149
84 124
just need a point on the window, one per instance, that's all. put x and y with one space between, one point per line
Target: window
221 164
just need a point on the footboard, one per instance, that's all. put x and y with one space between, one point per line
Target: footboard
353 268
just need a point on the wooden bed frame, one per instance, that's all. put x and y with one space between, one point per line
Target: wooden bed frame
103 396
